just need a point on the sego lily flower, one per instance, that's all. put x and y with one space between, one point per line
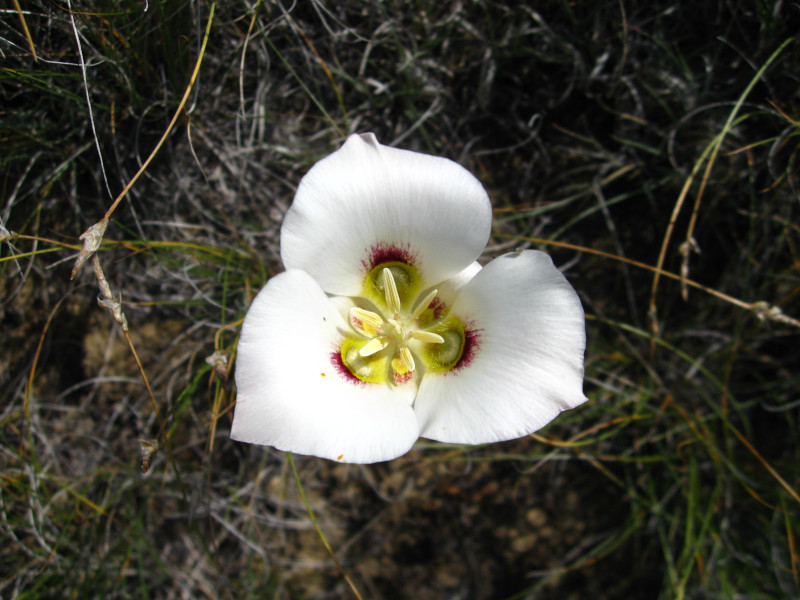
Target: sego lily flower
383 328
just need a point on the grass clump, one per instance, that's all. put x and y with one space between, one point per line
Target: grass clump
632 143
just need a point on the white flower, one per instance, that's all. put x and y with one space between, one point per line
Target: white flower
384 328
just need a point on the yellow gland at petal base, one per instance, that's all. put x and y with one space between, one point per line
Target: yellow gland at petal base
405 330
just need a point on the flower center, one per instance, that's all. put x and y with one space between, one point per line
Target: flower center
406 324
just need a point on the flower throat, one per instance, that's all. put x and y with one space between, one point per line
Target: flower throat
401 329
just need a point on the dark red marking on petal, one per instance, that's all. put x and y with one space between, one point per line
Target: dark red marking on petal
383 253
341 368
472 343
440 309
401 379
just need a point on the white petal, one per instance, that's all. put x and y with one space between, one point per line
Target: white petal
526 363
291 394
367 203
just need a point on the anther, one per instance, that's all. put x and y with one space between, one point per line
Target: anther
428 337
367 317
424 304
374 345
390 291
407 359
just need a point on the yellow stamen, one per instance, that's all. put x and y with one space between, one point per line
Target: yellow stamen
407 359
390 291
374 345
424 304
428 337
366 316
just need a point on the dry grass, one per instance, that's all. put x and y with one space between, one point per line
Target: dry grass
631 142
